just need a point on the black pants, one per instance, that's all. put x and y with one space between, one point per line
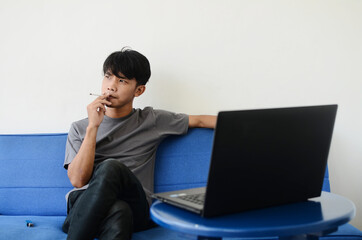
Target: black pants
112 207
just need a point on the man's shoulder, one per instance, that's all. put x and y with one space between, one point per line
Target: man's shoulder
146 109
80 124
150 111
157 111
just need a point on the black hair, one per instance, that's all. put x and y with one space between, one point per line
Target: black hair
130 63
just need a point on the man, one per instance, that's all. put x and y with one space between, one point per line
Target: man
110 155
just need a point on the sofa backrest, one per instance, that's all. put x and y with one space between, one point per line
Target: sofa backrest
32 178
34 182
183 161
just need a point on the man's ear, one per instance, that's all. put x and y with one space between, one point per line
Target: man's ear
140 90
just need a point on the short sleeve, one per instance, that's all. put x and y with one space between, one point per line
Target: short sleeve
74 141
169 123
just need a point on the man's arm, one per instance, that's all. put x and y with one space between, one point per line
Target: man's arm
202 121
81 168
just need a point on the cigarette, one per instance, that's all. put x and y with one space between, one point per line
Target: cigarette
94 94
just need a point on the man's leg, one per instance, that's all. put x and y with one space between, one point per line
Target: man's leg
111 181
118 223
72 199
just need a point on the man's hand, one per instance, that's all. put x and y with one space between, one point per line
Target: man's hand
96 110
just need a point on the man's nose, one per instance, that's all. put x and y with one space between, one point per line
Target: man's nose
113 85
110 89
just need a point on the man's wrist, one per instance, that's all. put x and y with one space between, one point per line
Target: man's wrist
92 129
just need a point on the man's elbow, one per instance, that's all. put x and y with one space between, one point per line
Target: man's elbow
76 181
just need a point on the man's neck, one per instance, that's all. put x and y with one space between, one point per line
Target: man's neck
118 112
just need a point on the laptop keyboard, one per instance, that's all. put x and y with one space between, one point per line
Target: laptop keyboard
194 198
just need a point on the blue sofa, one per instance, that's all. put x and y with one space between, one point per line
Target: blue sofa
33 183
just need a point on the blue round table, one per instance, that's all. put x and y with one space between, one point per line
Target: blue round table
304 220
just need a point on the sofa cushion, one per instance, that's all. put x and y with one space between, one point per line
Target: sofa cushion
45 228
32 178
49 227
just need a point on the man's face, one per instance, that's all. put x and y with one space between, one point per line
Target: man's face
121 90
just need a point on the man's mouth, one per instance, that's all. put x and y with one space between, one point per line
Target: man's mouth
111 97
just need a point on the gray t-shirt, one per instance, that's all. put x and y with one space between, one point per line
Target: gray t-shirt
132 139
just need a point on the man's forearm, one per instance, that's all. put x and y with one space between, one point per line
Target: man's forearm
81 168
202 121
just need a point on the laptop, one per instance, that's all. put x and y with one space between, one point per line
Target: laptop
262 158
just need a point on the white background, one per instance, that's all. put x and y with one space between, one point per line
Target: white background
205 56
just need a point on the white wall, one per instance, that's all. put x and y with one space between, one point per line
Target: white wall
205 56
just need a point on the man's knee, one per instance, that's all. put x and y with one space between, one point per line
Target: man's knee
111 167
111 164
111 175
